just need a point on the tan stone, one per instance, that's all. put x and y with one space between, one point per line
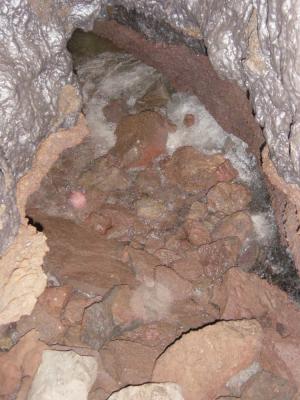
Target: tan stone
22 279
47 153
201 362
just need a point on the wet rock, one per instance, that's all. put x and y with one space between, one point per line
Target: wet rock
192 171
163 391
266 386
20 362
191 361
197 233
227 198
97 325
238 224
63 375
141 138
115 110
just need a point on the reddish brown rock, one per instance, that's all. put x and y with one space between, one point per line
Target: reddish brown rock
201 362
122 312
198 211
266 386
192 171
156 334
104 175
54 299
124 223
82 259
179 288
115 110
197 233
141 138
228 198
127 362
143 264
209 261
238 224
21 361
189 120
73 312
226 172
148 182
244 295
167 257
98 222
46 317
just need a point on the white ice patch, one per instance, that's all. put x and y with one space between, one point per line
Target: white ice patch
107 77
264 226
207 136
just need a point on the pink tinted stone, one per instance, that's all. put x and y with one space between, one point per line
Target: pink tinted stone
77 200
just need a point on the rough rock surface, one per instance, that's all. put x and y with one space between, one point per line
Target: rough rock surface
63 375
252 43
201 362
163 391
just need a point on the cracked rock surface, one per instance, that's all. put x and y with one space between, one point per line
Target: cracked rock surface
150 257
251 42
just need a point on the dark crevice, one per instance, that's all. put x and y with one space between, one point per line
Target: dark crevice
38 226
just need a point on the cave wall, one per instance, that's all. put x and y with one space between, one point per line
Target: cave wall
252 42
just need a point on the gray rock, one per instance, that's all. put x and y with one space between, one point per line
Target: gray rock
63 375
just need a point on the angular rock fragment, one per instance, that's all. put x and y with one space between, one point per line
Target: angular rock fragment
141 138
228 198
201 362
192 171
63 375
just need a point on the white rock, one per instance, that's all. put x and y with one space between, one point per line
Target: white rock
149 391
63 375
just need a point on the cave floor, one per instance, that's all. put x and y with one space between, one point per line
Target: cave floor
153 239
